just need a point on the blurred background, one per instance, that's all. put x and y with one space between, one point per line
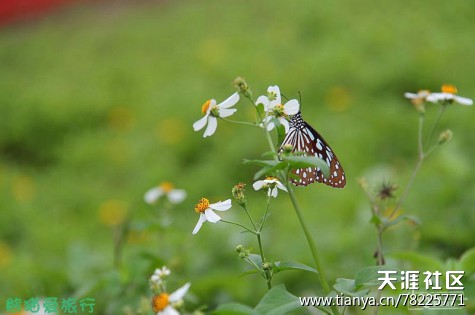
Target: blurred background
97 102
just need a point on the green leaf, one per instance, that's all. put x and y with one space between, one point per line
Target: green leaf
263 172
347 286
280 133
292 265
256 259
278 301
259 162
270 170
234 309
307 161
467 261
260 110
419 261
368 276
376 220
270 154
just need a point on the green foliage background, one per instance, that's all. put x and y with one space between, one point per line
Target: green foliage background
96 107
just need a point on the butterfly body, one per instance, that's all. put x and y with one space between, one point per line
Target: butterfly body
303 138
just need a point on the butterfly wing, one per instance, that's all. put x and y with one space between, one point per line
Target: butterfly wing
303 138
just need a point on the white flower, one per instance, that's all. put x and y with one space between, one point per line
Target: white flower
448 96
205 209
163 303
165 189
211 111
419 96
163 272
271 184
273 108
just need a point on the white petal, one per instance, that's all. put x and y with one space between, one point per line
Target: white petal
284 123
221 206
230 101
292 107
169 310
434 97
200 123
180 293
211 216
212 124
281 186
264 101
273 192
152 195
270 125
278 100
176 195
411 95
437 97
463 100
258 185
200 222
226 112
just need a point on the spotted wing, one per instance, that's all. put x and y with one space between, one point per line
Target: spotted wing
303 138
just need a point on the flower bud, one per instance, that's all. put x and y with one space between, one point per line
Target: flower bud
267 266
242 86
445 136
239 249
238 194
286 150
242 251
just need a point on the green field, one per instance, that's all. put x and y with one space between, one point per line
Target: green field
97 104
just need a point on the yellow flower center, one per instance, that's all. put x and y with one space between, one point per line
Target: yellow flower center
159 302
166 187
270 178
279 110
205 106
449 88
202 205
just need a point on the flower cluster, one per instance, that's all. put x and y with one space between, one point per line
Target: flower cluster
165 189
164 303
448 95
212 112
274 108
205 209
271 184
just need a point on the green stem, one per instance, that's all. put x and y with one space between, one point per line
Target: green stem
238 224
420 159
310 241
311 244
261 226
238 122
249 216
261 250
266 272
437 120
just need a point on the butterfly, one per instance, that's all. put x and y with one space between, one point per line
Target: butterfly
303 138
